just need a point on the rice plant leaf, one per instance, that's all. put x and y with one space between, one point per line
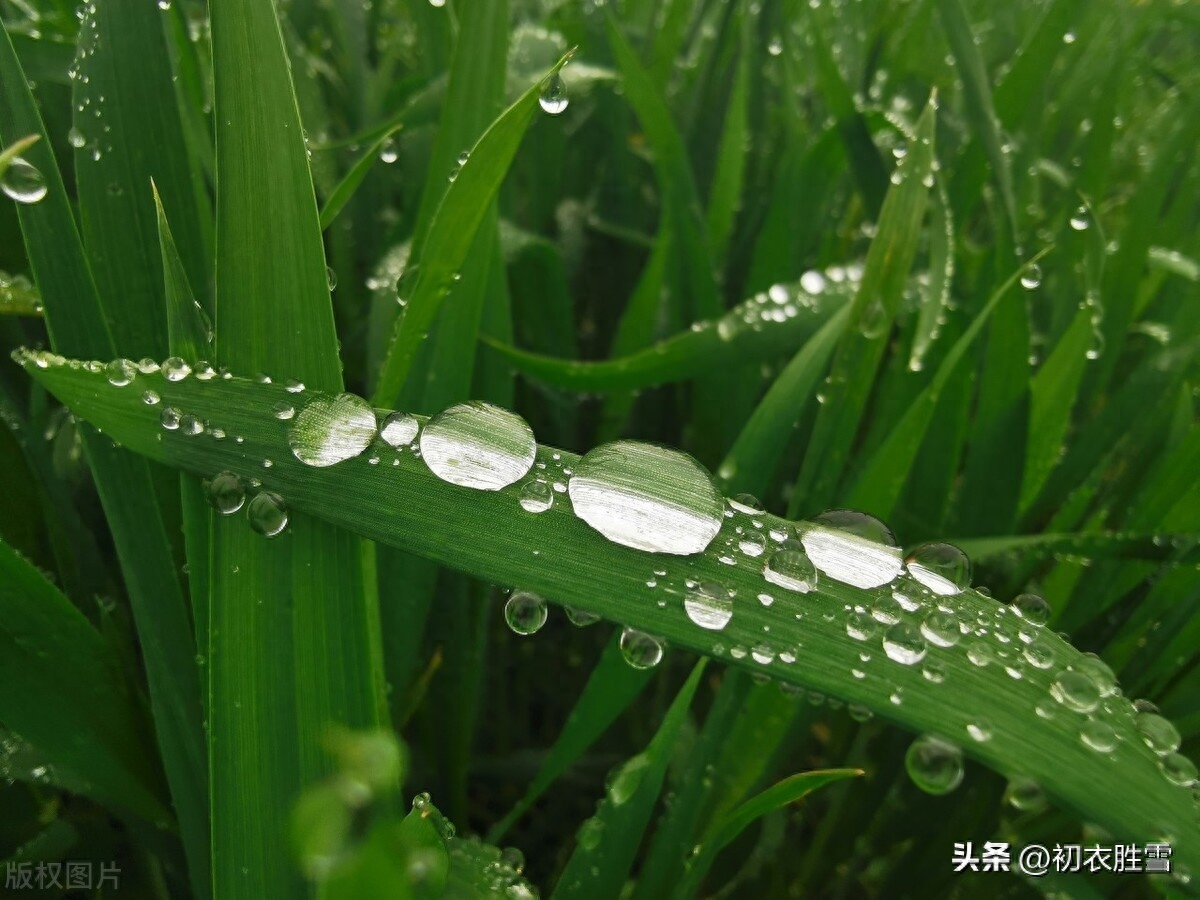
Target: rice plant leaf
608 842
611 688
401 502
63 690
725 194
725 830
451 231
293 637
353 179
941 272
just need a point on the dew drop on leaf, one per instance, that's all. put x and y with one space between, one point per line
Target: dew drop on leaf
791 569
525 612
1076 691
225 493
478 445
120 372
640 649
942 568
175 369
332 429
399 429
554 99
536 497
934 765
1098 735
709 605
1159 734
1026 795
1032 608
852 547
22 181
904 644
267 514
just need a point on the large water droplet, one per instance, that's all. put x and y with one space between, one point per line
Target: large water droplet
225 493
1076 691
1032 608
791 569
942 568
120 372
330 430
525 612
904 644
478 445
399 429
553 98
267 514
647 497
640 650
709 606
1159 734
22 182
853 547
934 765
1098 735
941 628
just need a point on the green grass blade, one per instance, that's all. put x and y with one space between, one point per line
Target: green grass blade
401 502
941 271
62 689
294 635
599 867
611 688
725 194
451 232
353 179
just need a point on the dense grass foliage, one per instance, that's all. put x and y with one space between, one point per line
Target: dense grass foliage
931 260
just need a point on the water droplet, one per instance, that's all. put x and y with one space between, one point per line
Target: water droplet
190 425
1026 795
399 429
580 618
332 429
1040 654
525 612
942 568
1080 219
478 445
592 830
169 418
175 369
225 493
150 398
812 282
553 98
941 628
861 626
1098 735
874 321
284 411
120 372
76 138
1031 277
647 497
746 503
1097 669
267 514
1179 769
852 547
791 569
388 153
536 497
640 650
1076 691
22 182
904 644
330 277
762 654
1032 608
709 605
886 610
1159 734
980 730
294 387
934 765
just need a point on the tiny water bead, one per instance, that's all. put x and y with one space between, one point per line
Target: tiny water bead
22 181
267 514
399 429
709 605
852 547
332 429
554 99
647 497
225 493
525 612
640 649
980 730
1031 277
942 568
120 372
478 445
1032 608
934 765
791 569
536 497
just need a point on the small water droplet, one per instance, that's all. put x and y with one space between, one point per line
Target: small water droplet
980 730
388 153
1098 735
284 411
536 497
554 99
76 138
225 493
1076 691
1032 608
399 429
332 429
592 830
903 643
753 543
169 418
580 618
640 650
941 628
525 612
22 181
267 514
1026 795
1179 769
1031 277
709 605
120 372
942 568
190 425
934 765
791 569
1159 734
478 445
1080 219
175 369
150 398
330 277
812 282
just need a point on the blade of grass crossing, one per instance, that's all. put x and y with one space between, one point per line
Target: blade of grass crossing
294 643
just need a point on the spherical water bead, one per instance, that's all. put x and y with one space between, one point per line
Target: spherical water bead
1031 277
942 568
388 153
22 181
941 628
1100 673
120 372
647 497
332 429
399 429
284 412
853 548
580 618
478 445
267 514
190 425
1040 654
151 398
886 610
1098 735
1159 734
76 138
812 282
147 366
1026 795
861 626
980 654
980 730
225 493
746 503
903 644
933 672
934 765
525 612
640 650
791 569
536 496
169 418
554 99
1076 691
1179 769
1032 608
752 543
175 369
294 387
1080 219
709 605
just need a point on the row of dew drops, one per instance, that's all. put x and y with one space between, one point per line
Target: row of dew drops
663 502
